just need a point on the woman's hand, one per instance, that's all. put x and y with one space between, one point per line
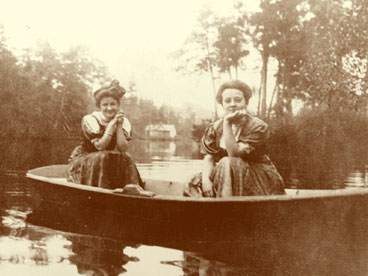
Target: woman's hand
208 167
121 142
120 117
207 187
235 116
117 120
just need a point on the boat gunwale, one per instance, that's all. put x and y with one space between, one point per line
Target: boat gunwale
325 194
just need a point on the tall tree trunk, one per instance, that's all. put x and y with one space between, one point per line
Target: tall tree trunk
273 95
265 57
280 91
210 67
286 98
229 72
259 97
287 95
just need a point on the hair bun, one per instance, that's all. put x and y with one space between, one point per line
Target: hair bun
116 88
113 90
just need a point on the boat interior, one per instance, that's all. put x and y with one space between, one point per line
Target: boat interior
56 174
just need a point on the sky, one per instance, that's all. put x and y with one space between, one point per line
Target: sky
133 38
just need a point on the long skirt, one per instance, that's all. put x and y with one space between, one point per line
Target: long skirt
105 169
233 176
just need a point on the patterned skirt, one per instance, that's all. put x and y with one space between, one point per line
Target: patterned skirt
105 169
234 176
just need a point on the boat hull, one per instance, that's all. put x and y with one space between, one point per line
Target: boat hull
292 223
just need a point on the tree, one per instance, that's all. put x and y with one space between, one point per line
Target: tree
198 54
14 94
262 34
63 81
329 75
291 44
230 45
277 33
216 46
79 70
46 90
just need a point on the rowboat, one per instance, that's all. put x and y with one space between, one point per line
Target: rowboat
299 221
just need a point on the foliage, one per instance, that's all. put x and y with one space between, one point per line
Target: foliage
320 47
334 33
143 112
262 34
229 46
277 32
10 80
197 54
198 130
45 93
319 149
217 45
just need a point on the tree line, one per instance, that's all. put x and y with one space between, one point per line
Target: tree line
45 93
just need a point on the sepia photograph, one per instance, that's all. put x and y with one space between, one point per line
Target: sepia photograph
184 137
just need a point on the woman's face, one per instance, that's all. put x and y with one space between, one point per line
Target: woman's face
109 107
233 100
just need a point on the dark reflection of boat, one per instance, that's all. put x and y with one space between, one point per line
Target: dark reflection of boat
23 241
92 255
318 253
321 262
99 256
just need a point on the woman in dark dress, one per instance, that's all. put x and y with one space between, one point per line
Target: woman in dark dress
235 161
101 159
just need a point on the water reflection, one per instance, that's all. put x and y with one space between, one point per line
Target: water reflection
40 247
23 154
356 178
19 155
147 150
161 148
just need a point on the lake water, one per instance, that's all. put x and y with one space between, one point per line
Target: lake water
31 249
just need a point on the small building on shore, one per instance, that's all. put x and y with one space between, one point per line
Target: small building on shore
161 132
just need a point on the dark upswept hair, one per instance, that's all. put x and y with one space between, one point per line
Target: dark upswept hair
114 90
234 84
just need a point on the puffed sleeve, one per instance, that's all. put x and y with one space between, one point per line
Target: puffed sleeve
91 128
127 129
210 141
253 136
